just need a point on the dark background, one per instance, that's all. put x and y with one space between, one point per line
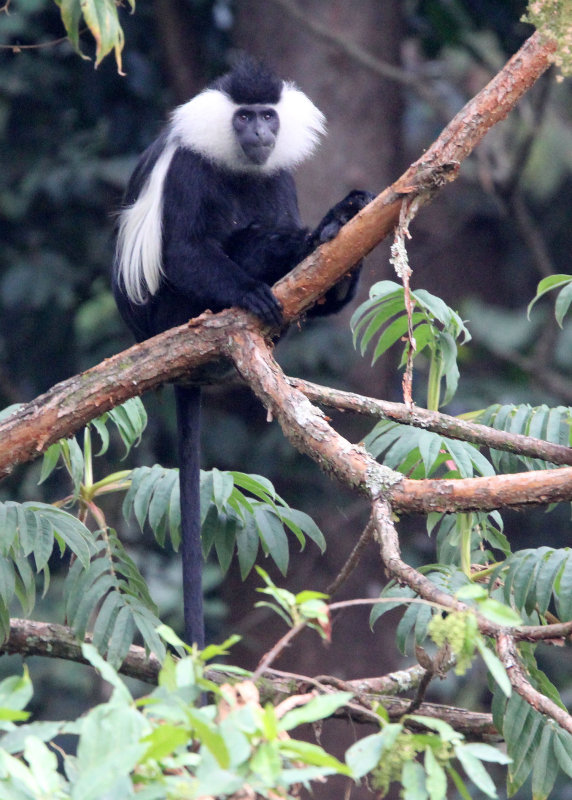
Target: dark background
70 136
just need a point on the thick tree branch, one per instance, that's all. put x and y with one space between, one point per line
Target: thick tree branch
519 490
30 638
437 166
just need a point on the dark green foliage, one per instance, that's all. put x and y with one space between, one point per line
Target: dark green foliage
230 518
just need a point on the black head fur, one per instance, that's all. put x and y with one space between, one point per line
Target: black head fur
250 81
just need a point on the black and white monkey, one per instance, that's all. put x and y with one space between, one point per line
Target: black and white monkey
211 221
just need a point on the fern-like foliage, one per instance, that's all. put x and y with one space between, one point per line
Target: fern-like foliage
550 424
111 596
486 532
537 746
154 497
424 454
436 329
561 282
534 578
30 533
129 420
238 512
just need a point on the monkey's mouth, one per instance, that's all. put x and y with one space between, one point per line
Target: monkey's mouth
258 153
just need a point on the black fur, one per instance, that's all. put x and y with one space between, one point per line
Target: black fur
250 81
227 237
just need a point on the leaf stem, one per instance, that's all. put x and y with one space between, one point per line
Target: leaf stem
434 380
465 523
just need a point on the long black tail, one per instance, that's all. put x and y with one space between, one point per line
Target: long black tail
188 400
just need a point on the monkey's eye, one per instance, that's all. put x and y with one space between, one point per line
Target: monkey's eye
268 115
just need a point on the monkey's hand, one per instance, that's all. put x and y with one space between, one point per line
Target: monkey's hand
337 217
261 302
340 294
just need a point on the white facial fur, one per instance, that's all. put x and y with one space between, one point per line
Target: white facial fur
204 125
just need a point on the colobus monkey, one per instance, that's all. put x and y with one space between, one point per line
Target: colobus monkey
211 221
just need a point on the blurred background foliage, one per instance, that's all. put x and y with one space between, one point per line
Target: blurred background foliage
71 135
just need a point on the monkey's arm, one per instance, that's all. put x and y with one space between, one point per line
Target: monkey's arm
340 294
208 278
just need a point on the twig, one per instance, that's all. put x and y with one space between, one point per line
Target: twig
353 560
276 650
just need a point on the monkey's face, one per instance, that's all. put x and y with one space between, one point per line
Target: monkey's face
256 129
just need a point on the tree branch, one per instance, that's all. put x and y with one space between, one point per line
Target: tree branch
435 421
30 638
508 654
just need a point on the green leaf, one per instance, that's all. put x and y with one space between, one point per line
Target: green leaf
436 782
429 445
549 566
106 670
94 593
163 741
105 620
394 332
545 767
546 285
224 540
44 764
102 19
273 537
448 354
257 485
130 418
475 770
486 752
499 613
293 517
319 708
391 590
247 543
562 743
50 461
562 304
16 691
147 623
313 754
121 637
7 580
413 781
495 667
73 532
222 486
366 753
564 592
445 731
522 728
71 17
209 737
109 749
